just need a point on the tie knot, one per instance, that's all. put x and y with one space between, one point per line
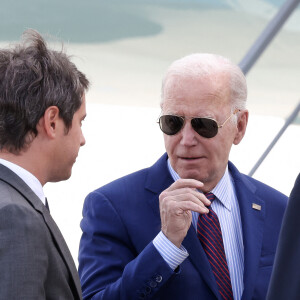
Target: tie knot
210 196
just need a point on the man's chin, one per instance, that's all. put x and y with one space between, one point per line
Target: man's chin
61 177
193 174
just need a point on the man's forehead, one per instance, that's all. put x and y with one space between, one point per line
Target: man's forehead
196 84
196 100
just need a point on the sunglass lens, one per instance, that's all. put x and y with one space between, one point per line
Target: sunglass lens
205 127
170 125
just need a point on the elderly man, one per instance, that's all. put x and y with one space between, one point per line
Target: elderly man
42 105
191 226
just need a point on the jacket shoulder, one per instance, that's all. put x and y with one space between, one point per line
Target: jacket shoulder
153 178
259 188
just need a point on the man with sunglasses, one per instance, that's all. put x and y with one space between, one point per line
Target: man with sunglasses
191 226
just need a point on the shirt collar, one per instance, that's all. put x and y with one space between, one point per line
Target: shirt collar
223 190
27 177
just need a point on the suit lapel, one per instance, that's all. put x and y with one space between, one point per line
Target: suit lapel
252 227
159 179
199 259
17 183
63 249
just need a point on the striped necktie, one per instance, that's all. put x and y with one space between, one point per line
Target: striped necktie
210 236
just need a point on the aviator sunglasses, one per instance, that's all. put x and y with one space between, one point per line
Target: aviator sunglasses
206 127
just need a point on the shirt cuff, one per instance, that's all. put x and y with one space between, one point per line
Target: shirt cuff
173 255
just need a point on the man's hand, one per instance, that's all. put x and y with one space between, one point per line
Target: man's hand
176 204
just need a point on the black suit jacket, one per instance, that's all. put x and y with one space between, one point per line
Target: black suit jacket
285 280
35 262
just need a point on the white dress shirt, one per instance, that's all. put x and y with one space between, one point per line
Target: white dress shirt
227 209
27 177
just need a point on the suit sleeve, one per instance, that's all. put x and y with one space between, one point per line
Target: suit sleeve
109 266
23 258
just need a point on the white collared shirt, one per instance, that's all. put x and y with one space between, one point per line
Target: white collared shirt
227 209
27 177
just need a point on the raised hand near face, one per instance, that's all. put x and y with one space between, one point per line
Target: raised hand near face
176 204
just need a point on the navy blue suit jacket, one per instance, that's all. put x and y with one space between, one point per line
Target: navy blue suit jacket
285 280
117 259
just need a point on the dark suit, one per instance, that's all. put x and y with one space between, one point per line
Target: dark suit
285 280
117 259
35 262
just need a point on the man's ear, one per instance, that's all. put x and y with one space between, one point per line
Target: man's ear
50 121
242 122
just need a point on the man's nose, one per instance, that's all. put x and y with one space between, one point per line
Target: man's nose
82 140
188 134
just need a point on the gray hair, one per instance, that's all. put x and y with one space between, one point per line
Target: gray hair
209 66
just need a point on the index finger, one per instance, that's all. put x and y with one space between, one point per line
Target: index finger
185 183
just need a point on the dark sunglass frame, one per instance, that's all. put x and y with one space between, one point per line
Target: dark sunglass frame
205 127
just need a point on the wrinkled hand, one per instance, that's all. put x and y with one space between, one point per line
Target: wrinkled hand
176 204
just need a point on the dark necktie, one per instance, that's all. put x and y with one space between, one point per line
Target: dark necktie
210 236
46 204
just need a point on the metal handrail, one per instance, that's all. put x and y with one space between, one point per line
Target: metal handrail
267 35
255 52
287 123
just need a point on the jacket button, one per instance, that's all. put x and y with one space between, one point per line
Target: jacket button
158 278
148 290
153 284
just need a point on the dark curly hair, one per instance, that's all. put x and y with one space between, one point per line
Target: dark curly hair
32 78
